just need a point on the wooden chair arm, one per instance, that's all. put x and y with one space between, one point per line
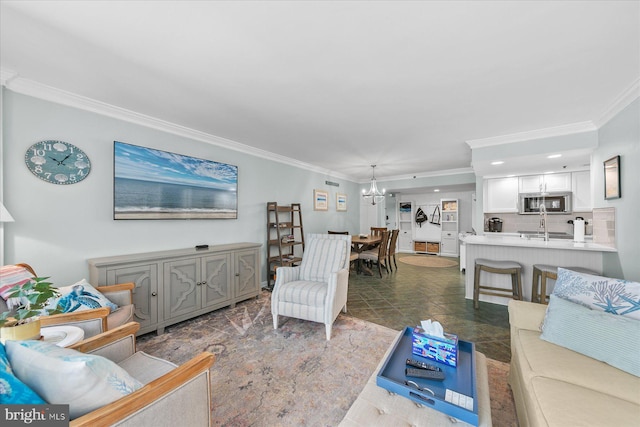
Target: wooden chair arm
122 408
28 268
113 288
107 337
76 316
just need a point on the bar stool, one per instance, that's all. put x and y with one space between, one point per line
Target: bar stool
542 272
499 267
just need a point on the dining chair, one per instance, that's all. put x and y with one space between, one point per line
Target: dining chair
377 231
391 252
379 254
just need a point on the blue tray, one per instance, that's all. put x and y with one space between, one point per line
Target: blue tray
460 380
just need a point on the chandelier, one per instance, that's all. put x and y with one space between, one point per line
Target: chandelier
374 194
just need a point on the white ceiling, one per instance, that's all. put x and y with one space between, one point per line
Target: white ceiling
337 84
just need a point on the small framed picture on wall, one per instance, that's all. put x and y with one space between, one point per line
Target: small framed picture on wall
612 178
320 200
341 202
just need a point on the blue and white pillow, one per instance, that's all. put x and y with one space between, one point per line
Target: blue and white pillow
615 296
80 296
63 376
12 390
612 339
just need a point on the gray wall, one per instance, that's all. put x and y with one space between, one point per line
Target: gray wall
58 227
621 136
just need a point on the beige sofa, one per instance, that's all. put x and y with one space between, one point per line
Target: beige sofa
554 386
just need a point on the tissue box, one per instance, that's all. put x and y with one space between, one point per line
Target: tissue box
443 350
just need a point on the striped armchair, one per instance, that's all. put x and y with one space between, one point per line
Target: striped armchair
316 290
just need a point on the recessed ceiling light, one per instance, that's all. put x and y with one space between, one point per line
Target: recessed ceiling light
554 156
437 190
497 162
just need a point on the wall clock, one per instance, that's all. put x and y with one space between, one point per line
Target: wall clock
57 162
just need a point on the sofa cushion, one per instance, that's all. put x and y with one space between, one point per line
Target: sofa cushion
539 358
322 257
612 339
615 296
12 390
566 404
62 376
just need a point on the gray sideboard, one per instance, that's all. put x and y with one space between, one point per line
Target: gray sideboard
176 285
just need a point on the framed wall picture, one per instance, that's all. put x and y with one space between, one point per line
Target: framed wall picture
320 200
612 178
341 202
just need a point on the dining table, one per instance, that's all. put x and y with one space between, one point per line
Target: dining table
364 242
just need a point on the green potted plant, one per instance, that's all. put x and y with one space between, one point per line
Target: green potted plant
23 322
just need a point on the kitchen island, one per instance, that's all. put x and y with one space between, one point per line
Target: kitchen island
526 251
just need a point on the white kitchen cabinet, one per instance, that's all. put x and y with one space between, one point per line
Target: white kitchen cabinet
552 182
501 195
581 188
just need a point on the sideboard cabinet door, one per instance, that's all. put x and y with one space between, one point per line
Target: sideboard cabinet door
145 293
247 266
181 287
217 278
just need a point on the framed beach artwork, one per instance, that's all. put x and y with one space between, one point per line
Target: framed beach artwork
341 202
156 184
320 200
612 178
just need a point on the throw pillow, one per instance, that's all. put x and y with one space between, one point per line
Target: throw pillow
81 296
62 376
321 258
612 339
613 296
12 390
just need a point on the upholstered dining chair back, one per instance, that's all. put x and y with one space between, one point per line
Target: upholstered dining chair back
378 254
391 252
377 231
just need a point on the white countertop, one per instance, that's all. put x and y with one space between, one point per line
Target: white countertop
502 240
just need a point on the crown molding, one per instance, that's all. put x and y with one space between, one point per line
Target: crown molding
620 103
6 75
38 90
533 134
447 172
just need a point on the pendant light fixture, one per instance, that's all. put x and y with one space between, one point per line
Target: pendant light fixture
374 194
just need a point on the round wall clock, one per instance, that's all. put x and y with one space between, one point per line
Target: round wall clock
57 162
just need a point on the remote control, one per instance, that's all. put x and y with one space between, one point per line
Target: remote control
422 365
425 374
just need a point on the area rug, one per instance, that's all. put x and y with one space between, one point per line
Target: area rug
291 376
427 261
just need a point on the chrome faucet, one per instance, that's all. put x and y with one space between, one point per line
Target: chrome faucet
543 221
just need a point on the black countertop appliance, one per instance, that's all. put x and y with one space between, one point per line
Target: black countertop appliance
495 225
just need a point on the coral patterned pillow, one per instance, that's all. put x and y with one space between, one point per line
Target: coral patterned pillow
615 296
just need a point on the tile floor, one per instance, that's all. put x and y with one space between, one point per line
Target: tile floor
412 293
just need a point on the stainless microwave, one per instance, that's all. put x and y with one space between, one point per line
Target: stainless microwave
556 203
